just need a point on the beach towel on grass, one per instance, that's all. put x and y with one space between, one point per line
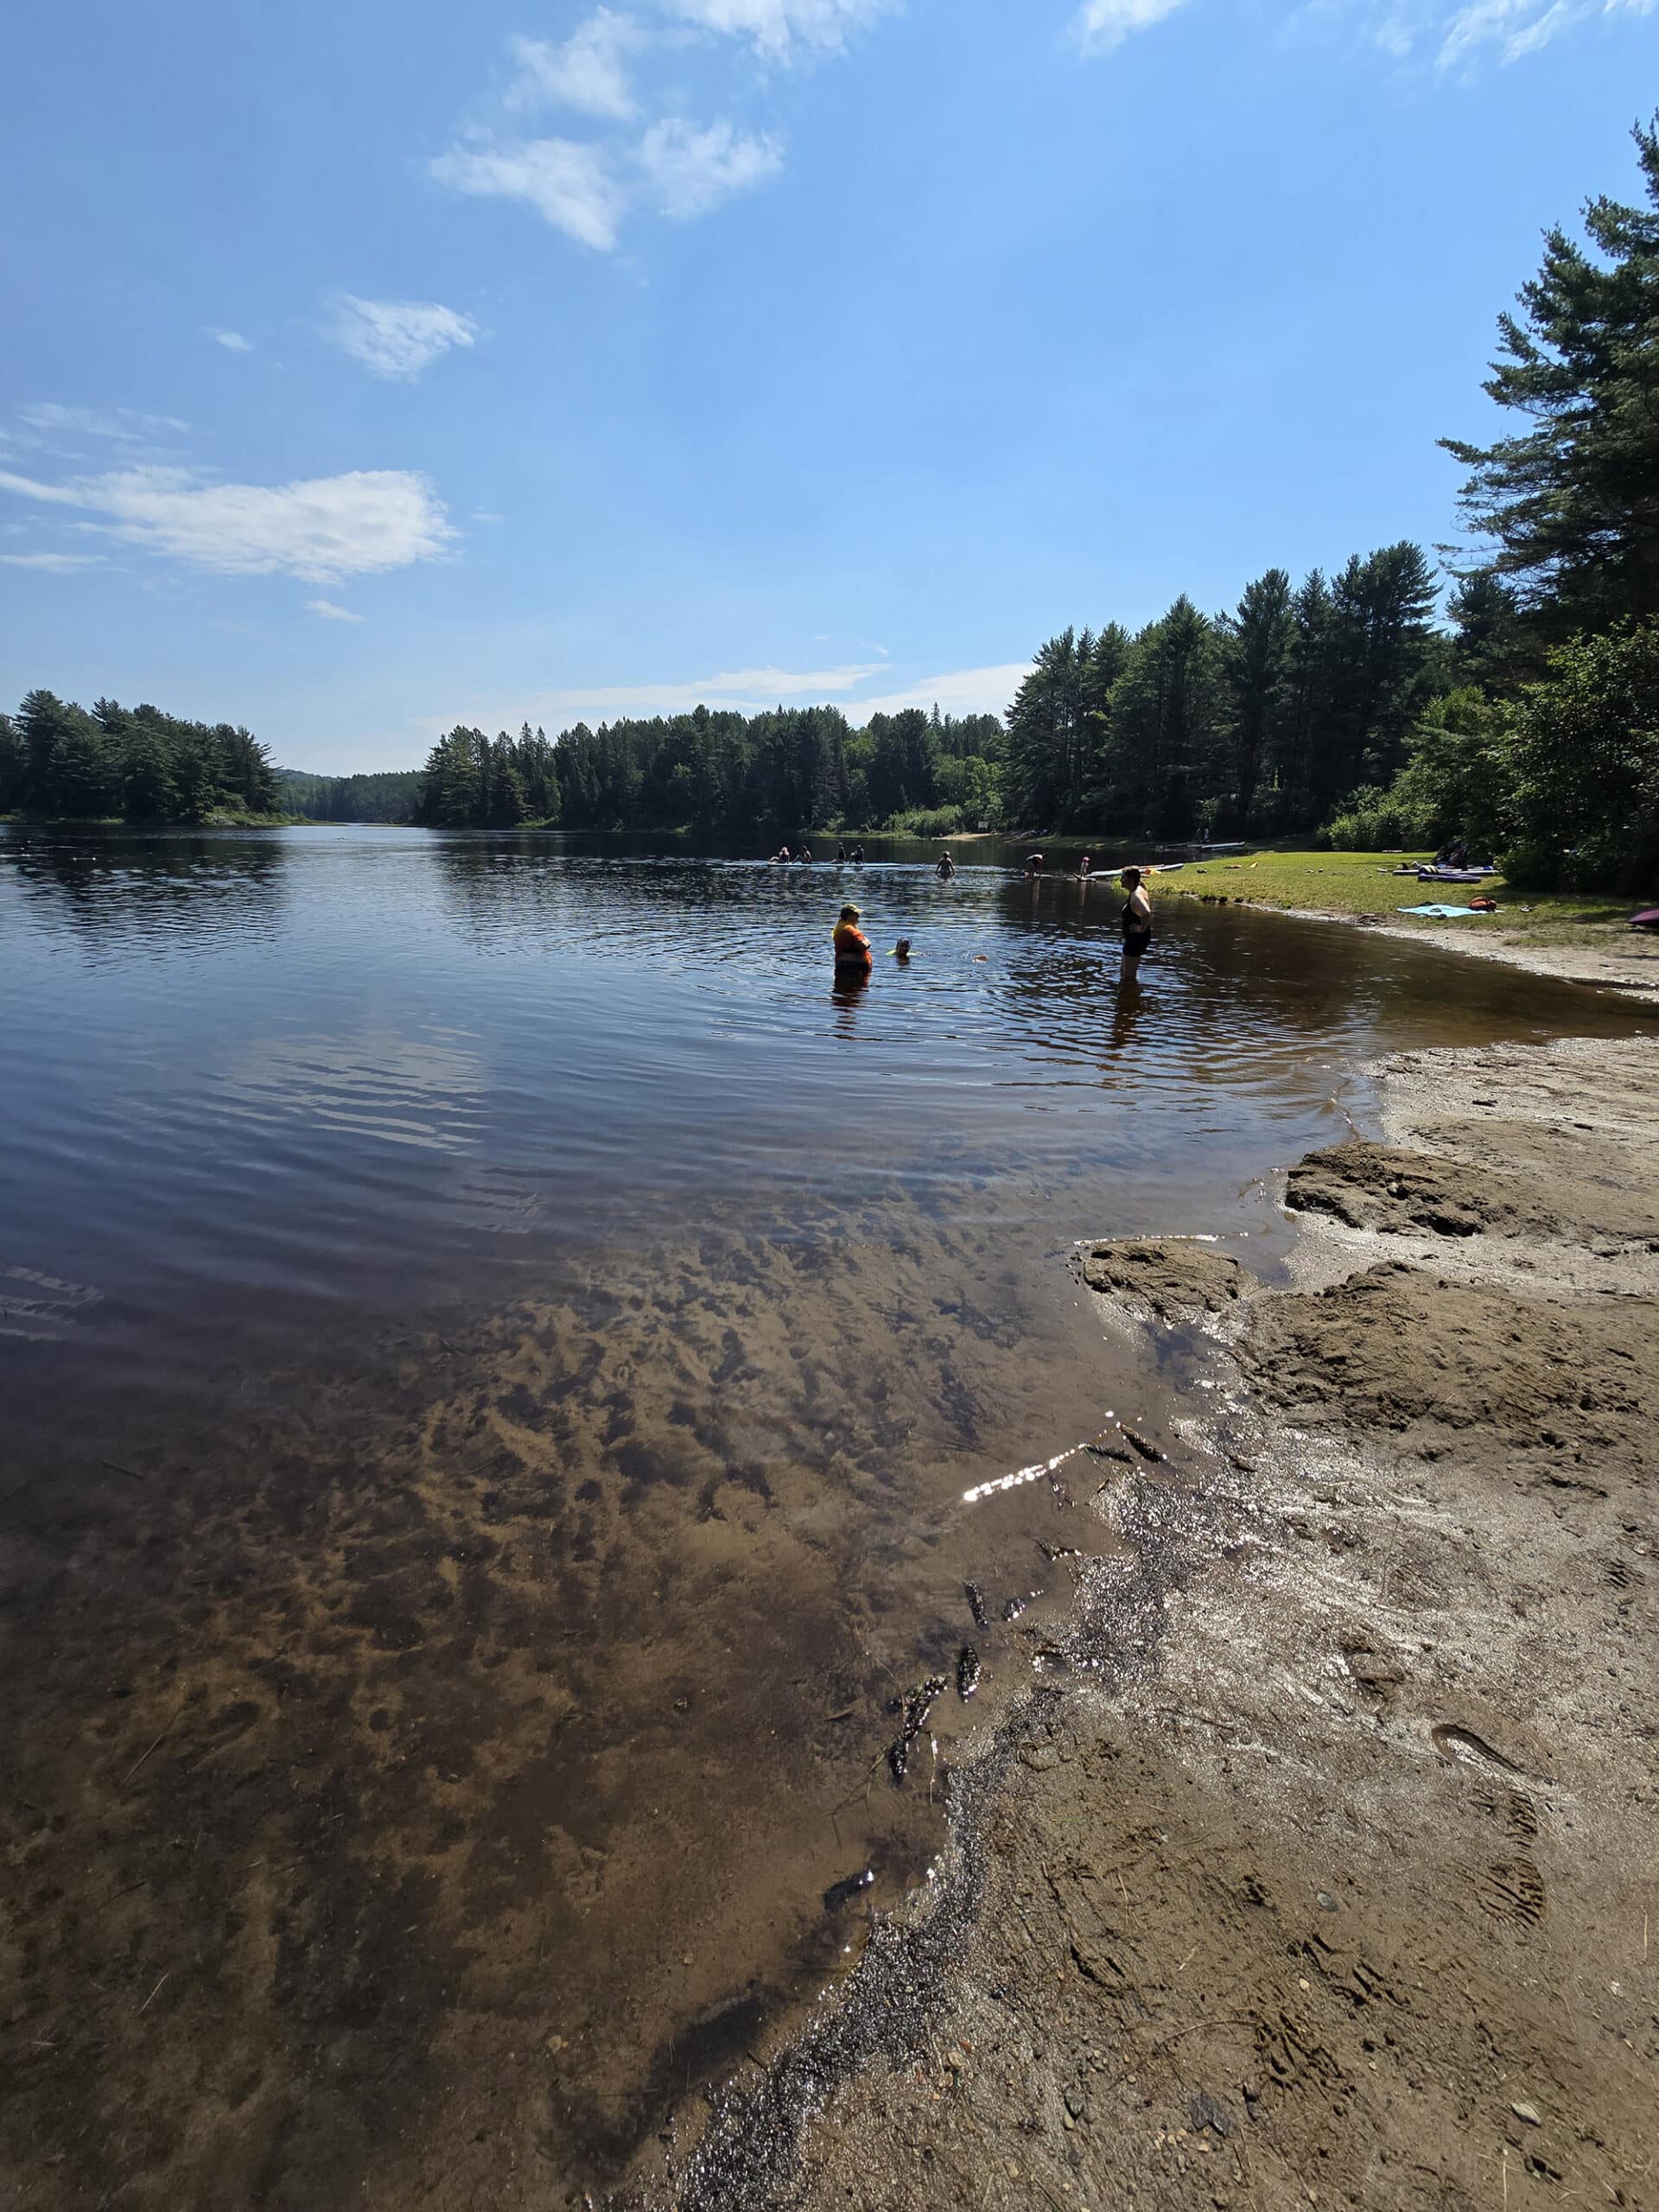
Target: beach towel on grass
1448 913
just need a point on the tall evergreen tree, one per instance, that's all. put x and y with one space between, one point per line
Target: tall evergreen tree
1256 646
1572 502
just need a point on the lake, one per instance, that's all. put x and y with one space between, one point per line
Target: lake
493 1347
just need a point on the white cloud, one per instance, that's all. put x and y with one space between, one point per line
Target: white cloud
689 170
332 526
588 72
778 29
963 691
231 341
330 613
1103 24
397 338
53 565
568 184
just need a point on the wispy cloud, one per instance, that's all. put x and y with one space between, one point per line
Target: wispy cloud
588 72
330 613
1103 25
959 691
569 184
397 338
656 156
48 423
747 687
688 171
331 526
1457 37
231 341
1513 28
52 565
781 30
962 691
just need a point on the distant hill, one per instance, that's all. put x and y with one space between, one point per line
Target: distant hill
391 796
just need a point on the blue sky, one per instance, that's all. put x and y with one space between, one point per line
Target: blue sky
370 369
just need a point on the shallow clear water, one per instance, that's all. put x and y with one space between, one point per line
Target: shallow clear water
539 1307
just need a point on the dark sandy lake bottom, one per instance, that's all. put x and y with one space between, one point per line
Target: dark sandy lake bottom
493 1349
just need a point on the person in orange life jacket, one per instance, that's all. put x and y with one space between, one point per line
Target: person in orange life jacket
853 955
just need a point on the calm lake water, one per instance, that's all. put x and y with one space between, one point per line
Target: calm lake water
494 1344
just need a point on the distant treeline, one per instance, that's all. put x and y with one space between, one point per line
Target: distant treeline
777 773
130 764
391 796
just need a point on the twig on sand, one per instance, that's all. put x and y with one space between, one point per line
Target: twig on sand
116 1468
143 1755
154 1994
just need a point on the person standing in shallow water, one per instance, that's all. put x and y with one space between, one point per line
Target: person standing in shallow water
1136 920
854 959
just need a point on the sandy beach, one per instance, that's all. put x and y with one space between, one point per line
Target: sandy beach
1320 1870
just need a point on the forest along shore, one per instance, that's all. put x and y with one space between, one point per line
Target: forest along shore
1339 1888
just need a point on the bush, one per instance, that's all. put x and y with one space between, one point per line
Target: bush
1370 820
927 821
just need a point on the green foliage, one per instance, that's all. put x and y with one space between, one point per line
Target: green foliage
928 822
60 761
1572 503
1583 757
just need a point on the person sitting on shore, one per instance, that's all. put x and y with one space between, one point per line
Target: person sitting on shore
804 856
1136 920
858 855
781 857
853 954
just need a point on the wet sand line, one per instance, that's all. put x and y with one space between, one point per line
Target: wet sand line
1339 1889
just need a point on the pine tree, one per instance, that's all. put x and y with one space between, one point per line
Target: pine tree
1572 503
1256 646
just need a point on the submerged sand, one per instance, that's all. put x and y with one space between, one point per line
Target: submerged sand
1320 1868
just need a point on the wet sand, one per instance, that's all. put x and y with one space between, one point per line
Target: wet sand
1323 1871
1616 958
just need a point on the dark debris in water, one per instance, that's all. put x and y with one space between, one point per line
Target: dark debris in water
917 1705
840 1895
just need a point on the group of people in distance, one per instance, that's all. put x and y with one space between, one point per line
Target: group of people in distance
854 959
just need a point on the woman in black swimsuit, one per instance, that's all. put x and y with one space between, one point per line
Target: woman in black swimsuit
1136 920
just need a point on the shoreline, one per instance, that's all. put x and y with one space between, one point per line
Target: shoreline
1328 1875
1631 969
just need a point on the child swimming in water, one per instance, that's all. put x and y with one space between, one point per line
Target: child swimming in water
853 955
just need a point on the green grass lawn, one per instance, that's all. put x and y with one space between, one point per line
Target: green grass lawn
1363 883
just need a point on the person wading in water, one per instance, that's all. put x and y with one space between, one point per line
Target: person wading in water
1136 919
854 959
